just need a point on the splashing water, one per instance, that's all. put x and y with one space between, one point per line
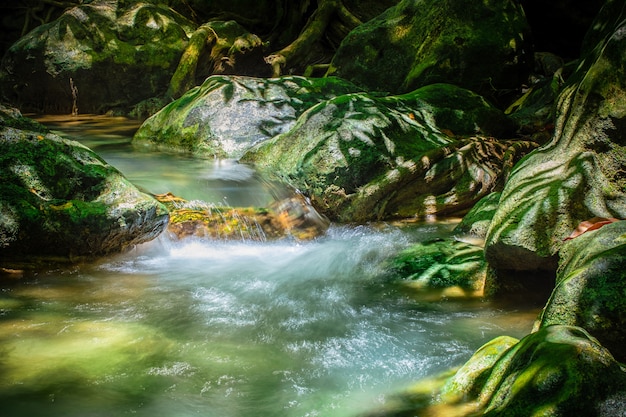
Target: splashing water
224 328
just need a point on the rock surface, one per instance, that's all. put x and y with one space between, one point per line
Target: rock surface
557 371
476 222
96 57
579 174
590 287
228 114
453 268
361 157
60 202
481 46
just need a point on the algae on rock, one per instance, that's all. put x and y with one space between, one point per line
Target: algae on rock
590 287
228 114
579 174
59 201
360 157
483 46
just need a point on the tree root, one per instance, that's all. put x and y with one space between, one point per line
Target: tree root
313 31
184 76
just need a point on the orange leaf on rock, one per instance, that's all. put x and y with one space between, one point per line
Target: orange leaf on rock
589 225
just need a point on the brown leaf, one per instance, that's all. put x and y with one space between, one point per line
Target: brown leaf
589 225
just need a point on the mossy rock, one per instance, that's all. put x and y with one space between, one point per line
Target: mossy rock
470 378
476 222
290 217
557 371
61 202
591 285
360 157
228 114
482 46
95 57
12 117
578 175
451 267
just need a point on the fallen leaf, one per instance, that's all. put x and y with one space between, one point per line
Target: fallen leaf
589 225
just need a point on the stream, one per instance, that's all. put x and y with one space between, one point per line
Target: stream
228 328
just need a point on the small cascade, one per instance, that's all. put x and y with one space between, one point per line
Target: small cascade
289 217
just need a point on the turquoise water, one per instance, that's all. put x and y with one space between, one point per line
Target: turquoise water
214 328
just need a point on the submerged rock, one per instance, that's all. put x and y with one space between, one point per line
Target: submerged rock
360 157
60 202
228 114
580 173
290 217
590 287
483 46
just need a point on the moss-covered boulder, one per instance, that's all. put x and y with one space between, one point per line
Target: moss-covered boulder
579 174
557 371
476 222
227 114
60 202
361 157
450 268
97 56
483 46
591 284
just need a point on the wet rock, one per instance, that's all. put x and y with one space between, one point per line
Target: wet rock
227 114
579 174
60 202
560 370
361 157
97 56
557 371
449 267
476 222
287 218
590 287
482 46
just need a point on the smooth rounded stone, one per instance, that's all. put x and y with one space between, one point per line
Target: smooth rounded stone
226 115
59 201
361 157
483 46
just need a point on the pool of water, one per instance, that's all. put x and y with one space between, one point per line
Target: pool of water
217 328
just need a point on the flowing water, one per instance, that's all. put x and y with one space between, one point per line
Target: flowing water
215 328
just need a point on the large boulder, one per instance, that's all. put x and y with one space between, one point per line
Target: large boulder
228 114
60 202
557 371
96 57
590 288
579 174
481 46
361 158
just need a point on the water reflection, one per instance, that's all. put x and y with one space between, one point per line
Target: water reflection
222 329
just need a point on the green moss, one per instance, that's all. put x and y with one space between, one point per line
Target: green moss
441 264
